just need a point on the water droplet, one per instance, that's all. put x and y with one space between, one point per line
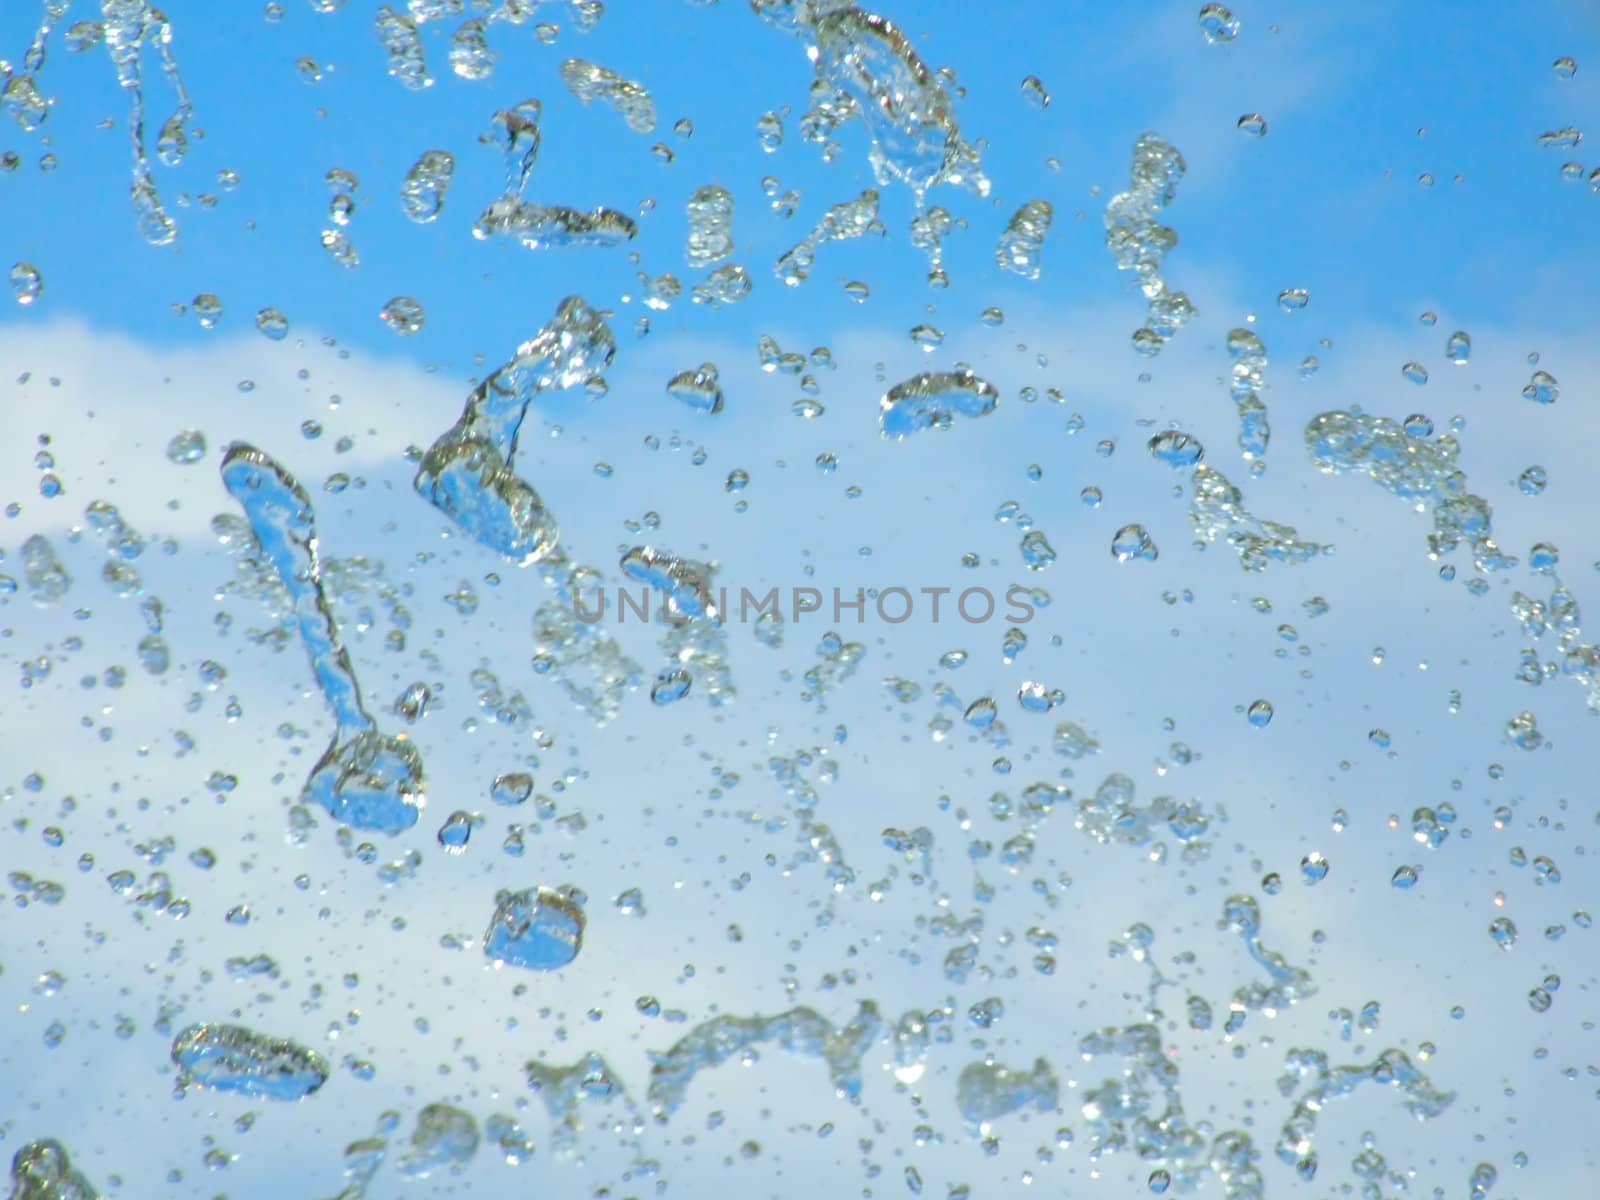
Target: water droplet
1504 932
1131 542
1458 347
1259 713
186 447
670 686
769 131
1405 877
698 389
422 192
933 399
26 283
1415 372
1542 388
1033 91
1313 868
1218 24
207 310
540 928
589 82
1254 124
456 832
233 1058
1292 300
272 324
403 315
1522 731
1022 243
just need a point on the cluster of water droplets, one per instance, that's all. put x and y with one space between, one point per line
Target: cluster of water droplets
1139 241
516 132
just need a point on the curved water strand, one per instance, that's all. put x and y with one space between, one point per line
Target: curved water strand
468 474
284 523
800 1031
364 778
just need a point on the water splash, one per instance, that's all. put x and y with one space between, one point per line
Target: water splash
234 1058
128 28
987 1091
565 1090
929 228
1142 1111
1248 355
1287 985
365 778
695 639
1022 242
470 55
846 220
589 82
403 46
800 1031
42 1170
468 472
1112 813
1216 510
43 574
1421 470
867 67
539 928
710 211
584 661
423 190
538 226
933 399
516 132
1393 1068
444 1137
1139 242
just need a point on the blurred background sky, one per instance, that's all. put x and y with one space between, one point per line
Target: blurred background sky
1400 174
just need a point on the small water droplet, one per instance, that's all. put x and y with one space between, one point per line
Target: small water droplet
26 283
403 315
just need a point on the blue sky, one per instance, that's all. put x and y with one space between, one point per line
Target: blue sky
1328 201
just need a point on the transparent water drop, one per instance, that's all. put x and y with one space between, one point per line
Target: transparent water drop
403 315
1414 372
272 324
1292 300
186 447
1217 23
1542 388
207 310
26 282
1405 877
455 832
1254 124
698 389
670 686
769 131
1313 868
1504 932
1033 91
1131 542
1458 347
1532 481
1565 67
1259 714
